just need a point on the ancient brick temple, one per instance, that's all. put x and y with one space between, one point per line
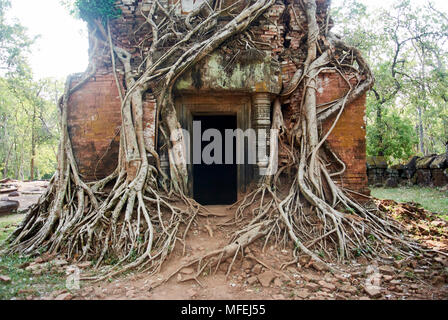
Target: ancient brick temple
230 83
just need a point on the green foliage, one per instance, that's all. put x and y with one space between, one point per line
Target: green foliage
431 199
394 136
405 43
7 225
29 126
102 10
23 283
14 43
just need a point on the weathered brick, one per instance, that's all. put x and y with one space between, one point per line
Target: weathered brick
94 110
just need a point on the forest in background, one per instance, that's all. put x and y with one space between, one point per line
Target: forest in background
406 46
29 129
407 112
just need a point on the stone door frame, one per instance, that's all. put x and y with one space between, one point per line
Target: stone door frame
252 111
190 105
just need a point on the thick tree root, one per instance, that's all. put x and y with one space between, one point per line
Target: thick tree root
213 259
128 219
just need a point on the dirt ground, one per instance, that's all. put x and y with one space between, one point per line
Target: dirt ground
259 276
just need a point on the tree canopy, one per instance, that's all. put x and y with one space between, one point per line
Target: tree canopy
29 128
406 46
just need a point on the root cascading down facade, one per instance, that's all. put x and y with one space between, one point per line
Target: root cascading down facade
232 80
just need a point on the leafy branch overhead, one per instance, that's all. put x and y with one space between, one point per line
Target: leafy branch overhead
103 10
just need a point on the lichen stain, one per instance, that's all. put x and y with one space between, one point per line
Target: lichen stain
196 76
212 75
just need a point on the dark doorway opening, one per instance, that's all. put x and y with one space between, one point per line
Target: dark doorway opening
216 184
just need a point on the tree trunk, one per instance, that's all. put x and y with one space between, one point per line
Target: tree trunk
379 121
33 144
20 175
421 132
8 156
420 106
140 225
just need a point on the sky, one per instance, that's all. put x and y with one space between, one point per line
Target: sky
442 4
62 46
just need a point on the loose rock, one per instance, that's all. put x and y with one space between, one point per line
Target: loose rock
278 282
257 269
387 270
9 206
319 266
14 194
348 289
312 277
252 280
312 286
372 291
266 278
64 297
247 264
327 285
303 294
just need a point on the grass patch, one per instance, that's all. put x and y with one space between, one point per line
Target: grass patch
23 283
8 225
431 199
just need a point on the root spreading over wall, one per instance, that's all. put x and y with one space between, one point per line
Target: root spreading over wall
130 216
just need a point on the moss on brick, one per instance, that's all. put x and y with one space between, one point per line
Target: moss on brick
425 162
440 162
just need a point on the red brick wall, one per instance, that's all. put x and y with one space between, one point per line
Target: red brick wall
94 121
348 138
94 111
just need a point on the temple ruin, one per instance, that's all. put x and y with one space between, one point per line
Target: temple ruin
126 186
233 87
